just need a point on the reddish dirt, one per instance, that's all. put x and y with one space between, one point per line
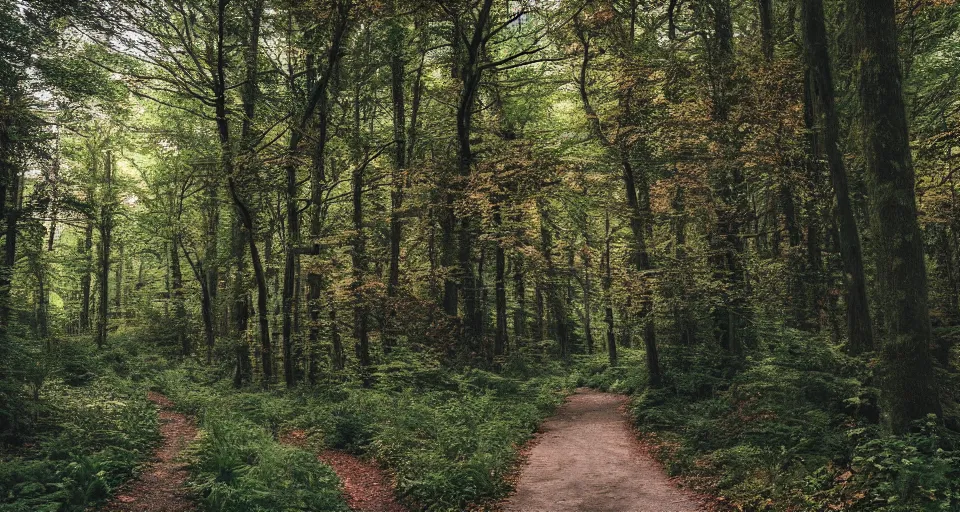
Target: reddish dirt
366 487
587 459
160 488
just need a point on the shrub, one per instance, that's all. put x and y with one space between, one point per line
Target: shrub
238 466
89 440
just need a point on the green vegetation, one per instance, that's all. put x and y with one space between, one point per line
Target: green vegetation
448 438
405 229
82 433
794 430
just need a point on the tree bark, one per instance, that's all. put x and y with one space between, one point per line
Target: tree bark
317 101
179 309
85 277
908 382
118 281
470 76
556 304
820 82
500 285
607 298
766 28
106 235
397 41
520 295
243 210
587 302
359 257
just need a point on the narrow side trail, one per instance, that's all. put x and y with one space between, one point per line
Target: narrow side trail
161 486
366 487
587 459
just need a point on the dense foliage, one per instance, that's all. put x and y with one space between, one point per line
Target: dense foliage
405 228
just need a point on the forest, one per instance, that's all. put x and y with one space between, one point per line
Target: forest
469 255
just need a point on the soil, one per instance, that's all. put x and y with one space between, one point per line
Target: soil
161 486
366 487
587 459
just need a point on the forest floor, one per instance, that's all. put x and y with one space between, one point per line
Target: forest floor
366 487
586 458
161 486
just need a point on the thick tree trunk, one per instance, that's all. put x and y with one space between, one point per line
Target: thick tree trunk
470 75
8 178
820 83
554 299
908 382
243 210
336 343
358 254
766 28
638 219
318 176
317 100
448 255
397 43
241 305
684 324
211 255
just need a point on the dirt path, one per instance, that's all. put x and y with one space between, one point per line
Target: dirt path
587 459
366 487
161 486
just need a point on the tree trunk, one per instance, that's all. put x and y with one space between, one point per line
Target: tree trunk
520 293
587 302
638 220
639 215
557 309
470 75
106 234
211 255
8 177
607 298
500 285
397 43
118 281
820 82
317 100
179 309
766 28
85 277
243 210
908 382
338 356
241 305
359 257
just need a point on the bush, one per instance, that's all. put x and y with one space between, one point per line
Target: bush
89 440
908 473
793 429
238 466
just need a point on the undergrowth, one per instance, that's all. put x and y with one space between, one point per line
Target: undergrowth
795 428
448 437
74 429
